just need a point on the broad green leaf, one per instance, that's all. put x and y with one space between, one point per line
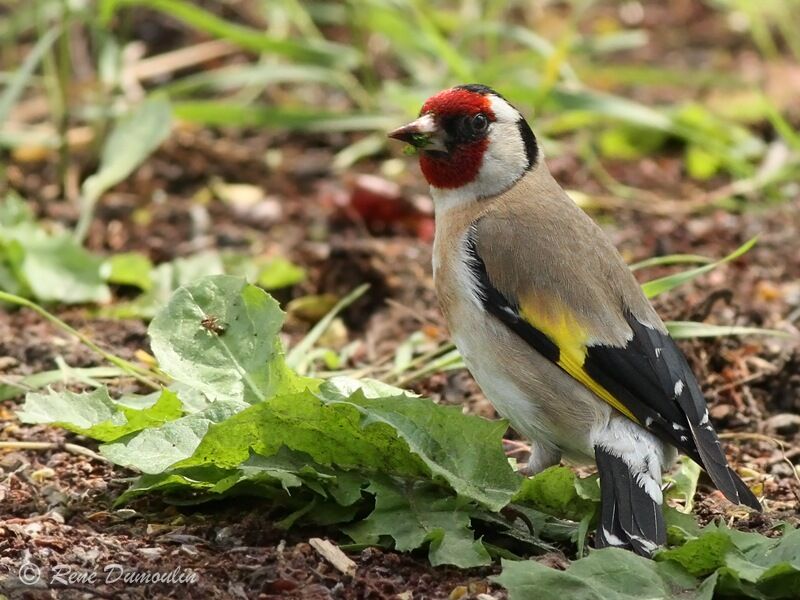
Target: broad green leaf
478 469
164 280
330 434
692 329
663 284
415 513
276 273
51 268
700 163
607 574
154 449
684 483
701 556
14 211
406 437
219 336
747 564
96 415
556 491
628 143
133 138
129 268
270 273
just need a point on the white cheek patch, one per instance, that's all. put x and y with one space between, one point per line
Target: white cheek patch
503 111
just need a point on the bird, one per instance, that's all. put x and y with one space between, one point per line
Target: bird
551 322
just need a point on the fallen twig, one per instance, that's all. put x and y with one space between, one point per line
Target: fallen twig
74 448
334 555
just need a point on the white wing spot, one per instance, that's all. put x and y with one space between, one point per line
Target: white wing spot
704 420
658 352
677 427
612 539
648 422
678 387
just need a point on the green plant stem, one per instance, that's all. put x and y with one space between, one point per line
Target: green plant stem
141 375
304 346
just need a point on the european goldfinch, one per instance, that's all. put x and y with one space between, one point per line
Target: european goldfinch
550 320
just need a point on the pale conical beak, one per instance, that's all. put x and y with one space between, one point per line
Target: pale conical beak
422 133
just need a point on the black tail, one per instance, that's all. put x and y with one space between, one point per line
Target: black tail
713 460
629 516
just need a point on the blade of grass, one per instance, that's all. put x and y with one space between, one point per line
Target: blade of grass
314 51
238 115
10 388
144 376
663 284
692 329
297 355
671 259
20 79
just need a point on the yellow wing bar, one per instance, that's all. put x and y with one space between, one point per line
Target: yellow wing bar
566 332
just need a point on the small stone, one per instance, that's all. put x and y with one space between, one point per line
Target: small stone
783 424
152 553
721 412
781 469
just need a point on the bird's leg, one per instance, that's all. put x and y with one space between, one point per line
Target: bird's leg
542 457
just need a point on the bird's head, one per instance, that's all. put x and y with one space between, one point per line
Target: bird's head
472 143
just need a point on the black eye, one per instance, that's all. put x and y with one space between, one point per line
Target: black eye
479 123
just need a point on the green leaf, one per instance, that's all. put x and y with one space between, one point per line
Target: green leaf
331 435
748 564
556 491
478 470
164 280
701 556
96 415
219 336
659 286
134 137
415 513
684 483
607 574
153 450
628 143
692 329
51 268
129 268
276 273
700 163
406 437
